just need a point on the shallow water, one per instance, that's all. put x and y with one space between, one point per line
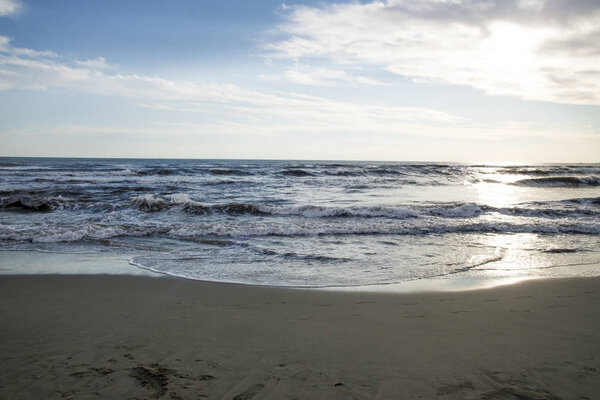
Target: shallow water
308 223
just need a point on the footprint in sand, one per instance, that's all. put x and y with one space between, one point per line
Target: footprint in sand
155 378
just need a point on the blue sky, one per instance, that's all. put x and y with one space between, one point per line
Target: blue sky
452 80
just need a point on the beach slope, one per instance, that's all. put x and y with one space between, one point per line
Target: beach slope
124 337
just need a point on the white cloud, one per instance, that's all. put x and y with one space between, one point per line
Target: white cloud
532 49
228 105
10 7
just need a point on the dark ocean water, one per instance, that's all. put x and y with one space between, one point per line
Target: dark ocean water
308 223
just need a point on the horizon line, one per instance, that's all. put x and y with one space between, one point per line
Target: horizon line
304 159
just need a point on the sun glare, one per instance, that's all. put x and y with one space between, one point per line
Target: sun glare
511 48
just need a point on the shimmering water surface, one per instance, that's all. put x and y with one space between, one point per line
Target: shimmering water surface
307 223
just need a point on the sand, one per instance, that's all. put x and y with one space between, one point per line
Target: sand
125 337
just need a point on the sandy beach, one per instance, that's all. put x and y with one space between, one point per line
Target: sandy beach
125 337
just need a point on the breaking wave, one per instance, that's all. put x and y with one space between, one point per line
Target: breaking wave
150 203
199 232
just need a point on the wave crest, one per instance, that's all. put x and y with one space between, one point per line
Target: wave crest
558 181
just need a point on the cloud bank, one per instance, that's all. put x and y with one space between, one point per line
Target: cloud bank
544 50
228 107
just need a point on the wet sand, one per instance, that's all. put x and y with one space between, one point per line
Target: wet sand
126 337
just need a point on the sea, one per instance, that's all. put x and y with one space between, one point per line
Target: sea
305 223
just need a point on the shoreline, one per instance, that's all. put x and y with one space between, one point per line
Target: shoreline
37 262
113 336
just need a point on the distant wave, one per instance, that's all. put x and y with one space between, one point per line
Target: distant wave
344 172
549 170
161 171
384 171
224 182
226 171
421 172
157 171
296 172
560 181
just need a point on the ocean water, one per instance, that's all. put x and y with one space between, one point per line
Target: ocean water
308 223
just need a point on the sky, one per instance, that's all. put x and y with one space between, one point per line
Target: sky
398 80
